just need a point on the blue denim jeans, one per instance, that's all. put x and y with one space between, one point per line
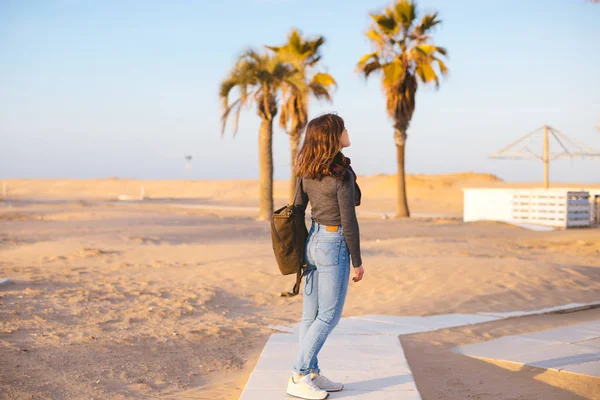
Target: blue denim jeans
325 287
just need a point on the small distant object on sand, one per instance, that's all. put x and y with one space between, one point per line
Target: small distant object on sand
127 197
124 197
5 281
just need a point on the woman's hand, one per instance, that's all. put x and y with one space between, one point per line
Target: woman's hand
358 274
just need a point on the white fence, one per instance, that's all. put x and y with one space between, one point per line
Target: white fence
563 208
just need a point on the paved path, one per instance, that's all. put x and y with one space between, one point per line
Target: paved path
373 367
365 353
574 349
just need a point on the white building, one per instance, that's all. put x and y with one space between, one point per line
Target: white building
556 207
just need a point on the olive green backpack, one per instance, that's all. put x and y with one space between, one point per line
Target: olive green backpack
288 234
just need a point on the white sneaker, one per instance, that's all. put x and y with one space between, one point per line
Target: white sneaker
321 382
305 389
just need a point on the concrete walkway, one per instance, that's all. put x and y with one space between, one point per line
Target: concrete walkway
372 367
363 352
574 349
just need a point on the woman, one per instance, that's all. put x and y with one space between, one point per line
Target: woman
329 183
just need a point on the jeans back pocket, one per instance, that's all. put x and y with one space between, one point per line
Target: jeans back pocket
327 252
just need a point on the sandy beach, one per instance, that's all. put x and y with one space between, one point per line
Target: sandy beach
165 299
143 146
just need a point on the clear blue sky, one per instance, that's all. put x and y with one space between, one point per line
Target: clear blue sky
126 88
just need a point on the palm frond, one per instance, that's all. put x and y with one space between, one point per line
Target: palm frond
273 48
392 72
295 39
426 49
284 115
368 57
250 55
299 118
323 79
368 68
376 37
320 91
282 70
427 23
386 23
237 105
427 74
442 66
313 61
226 86
315 44
405 11
393 99
442 51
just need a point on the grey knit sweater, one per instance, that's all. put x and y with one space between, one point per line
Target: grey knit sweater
332 202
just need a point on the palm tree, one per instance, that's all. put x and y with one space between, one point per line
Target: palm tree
258 78
405 57
303 55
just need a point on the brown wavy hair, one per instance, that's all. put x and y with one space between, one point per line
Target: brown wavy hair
321 144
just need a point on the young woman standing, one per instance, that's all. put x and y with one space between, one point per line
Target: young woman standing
329 183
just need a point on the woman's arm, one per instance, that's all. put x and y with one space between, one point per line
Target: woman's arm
345 195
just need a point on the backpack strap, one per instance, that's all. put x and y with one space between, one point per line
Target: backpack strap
296 288
298 186
300 273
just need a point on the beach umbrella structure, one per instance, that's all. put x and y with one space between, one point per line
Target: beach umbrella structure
536 146
188 163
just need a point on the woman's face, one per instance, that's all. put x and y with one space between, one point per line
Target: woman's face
344 139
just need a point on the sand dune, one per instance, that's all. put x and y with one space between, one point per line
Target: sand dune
440 194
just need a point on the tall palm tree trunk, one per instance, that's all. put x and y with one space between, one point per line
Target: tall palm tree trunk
402 204
265 159
294 143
